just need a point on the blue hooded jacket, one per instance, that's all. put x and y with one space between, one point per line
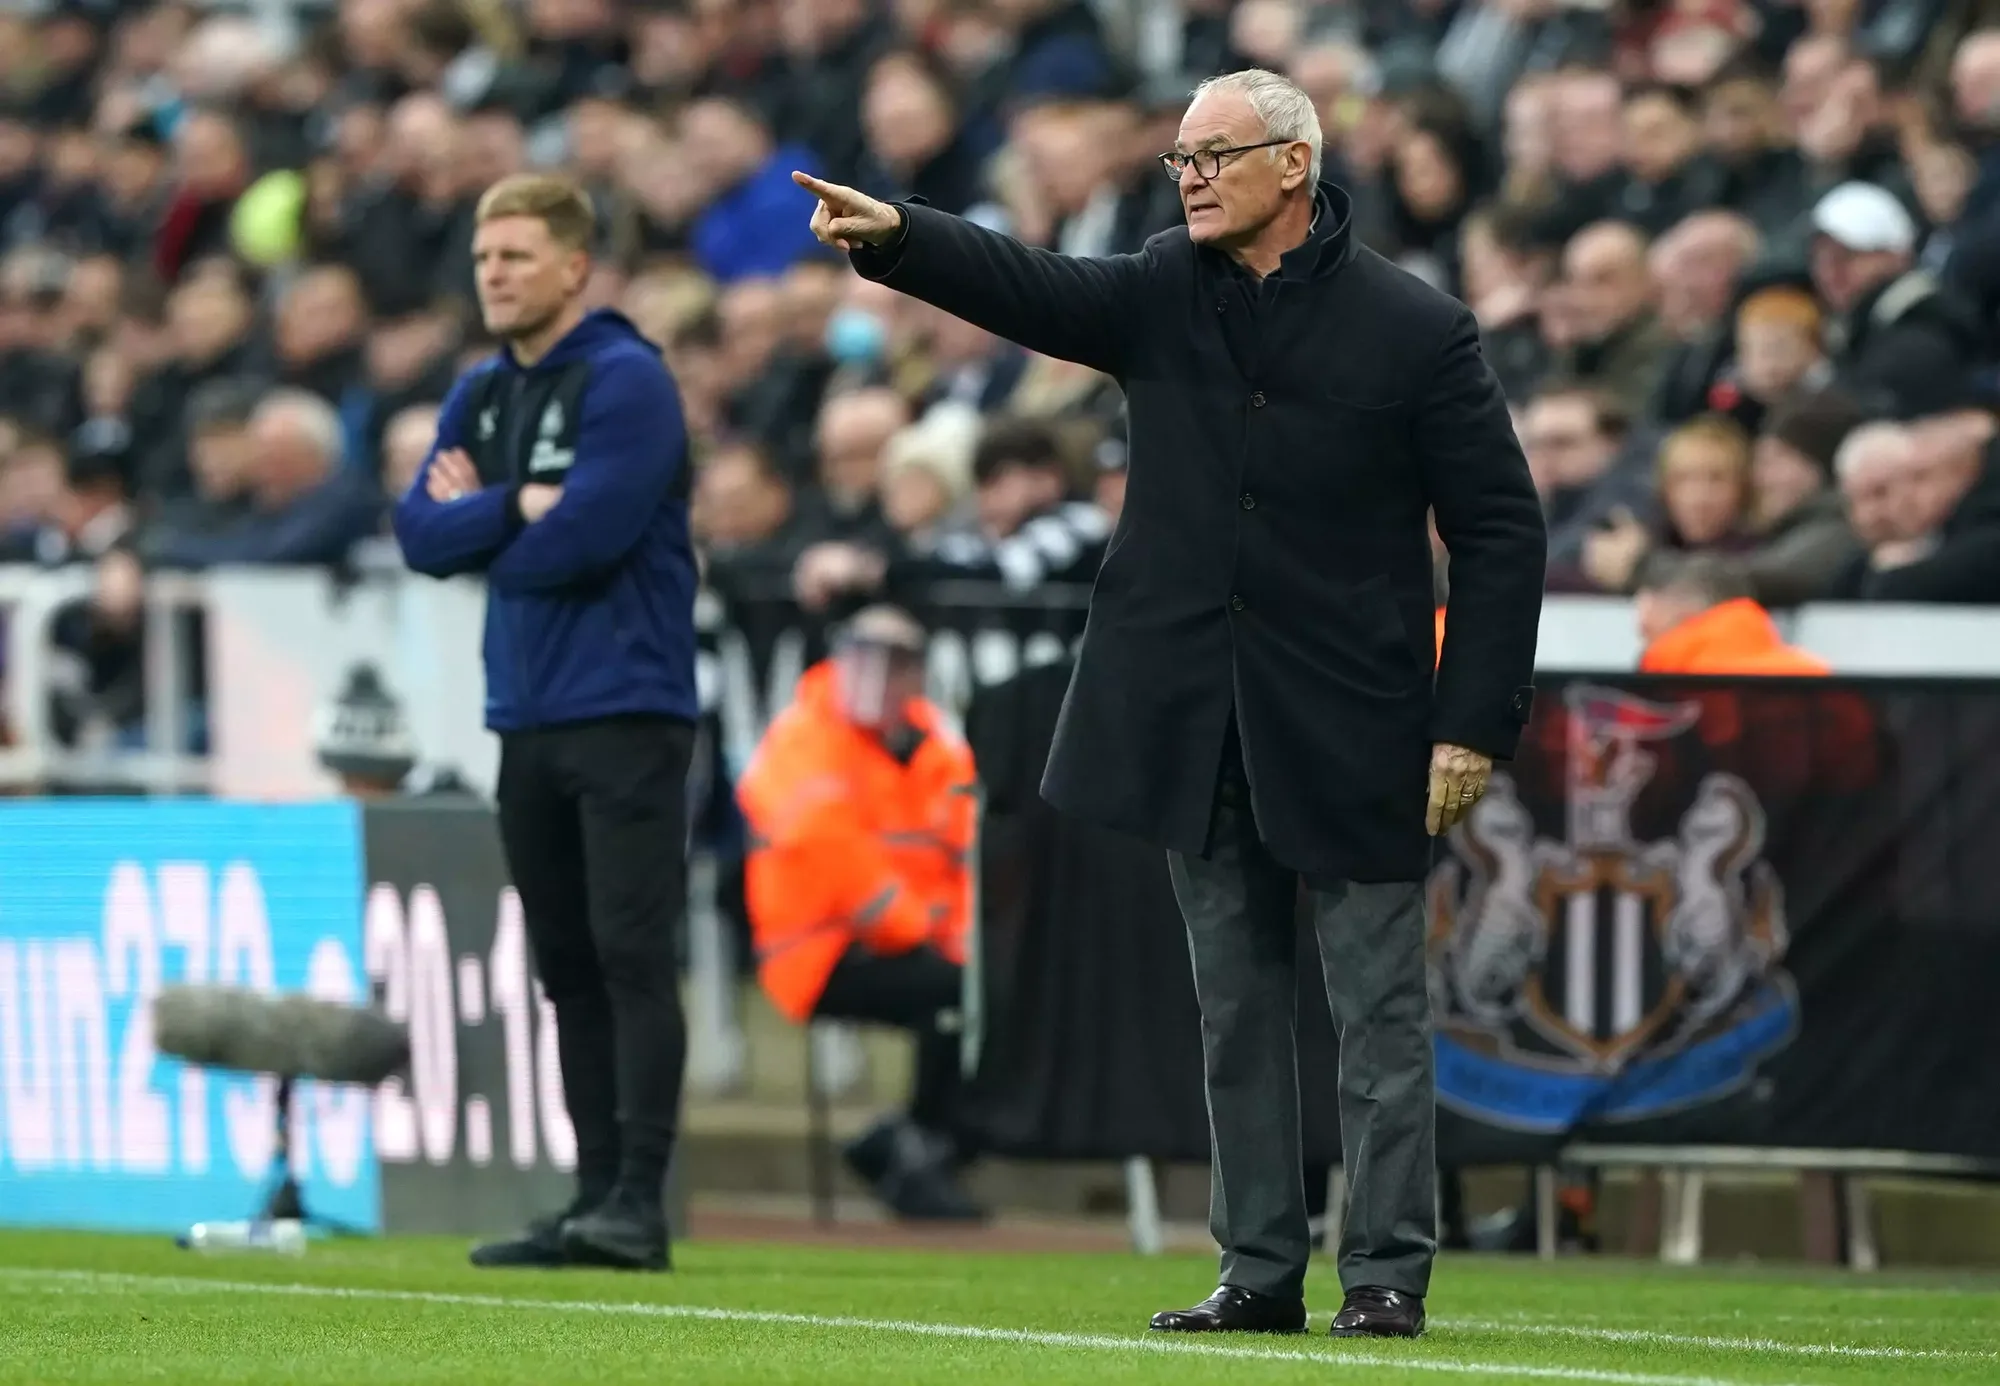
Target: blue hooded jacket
590 610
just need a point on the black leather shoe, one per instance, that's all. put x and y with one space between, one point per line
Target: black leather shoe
625 1232
872 1154
1373 1312
929 1193
1233 1310
539 1247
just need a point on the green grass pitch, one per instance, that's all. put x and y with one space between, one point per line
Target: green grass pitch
76 1308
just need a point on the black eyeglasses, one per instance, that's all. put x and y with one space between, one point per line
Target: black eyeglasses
1208 162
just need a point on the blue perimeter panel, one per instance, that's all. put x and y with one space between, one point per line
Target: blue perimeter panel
103 901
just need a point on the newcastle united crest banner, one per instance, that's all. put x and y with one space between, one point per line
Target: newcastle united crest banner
1742 912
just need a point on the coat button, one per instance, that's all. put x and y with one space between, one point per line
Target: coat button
1236 603
1257 400
1222 305
1247 501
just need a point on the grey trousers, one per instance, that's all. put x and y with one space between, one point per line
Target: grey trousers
1240 908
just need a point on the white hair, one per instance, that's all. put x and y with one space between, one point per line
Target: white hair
314 419
1286 111
1870 441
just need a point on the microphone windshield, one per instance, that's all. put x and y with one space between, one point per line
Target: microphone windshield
287 1035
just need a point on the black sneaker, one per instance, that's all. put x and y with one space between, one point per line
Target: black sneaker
625 1232
540 1246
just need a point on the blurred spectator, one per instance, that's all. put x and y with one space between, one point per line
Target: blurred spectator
305 504
97 685
1576 440
1666 177
1434 171
1058 50
406 440
212 168
39 379
1804 542
1583 116
1697 616
318 331
757 220
746 519
778 404
1617 344
1696 269
1704 493
1949 512
916 143
970 365
1874 467
928 472
209 323
854 431
1778 354
1503 272
1905 347
1745 137
831 44
1029 525
58 509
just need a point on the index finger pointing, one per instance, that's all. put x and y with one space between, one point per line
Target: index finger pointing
816 185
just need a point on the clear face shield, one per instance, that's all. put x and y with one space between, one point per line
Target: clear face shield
875 682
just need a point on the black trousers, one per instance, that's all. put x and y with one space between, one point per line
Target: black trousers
594 819
910 991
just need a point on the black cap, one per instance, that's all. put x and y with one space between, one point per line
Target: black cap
1816 426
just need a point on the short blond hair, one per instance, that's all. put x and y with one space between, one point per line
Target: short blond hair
557 202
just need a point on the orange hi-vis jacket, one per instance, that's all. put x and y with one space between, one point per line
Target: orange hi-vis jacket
1735 637
848 844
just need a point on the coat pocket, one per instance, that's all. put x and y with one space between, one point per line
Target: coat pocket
1378 640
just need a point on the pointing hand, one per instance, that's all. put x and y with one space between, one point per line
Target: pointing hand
846 218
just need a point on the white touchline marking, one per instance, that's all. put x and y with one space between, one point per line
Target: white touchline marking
1560 1329
108 1281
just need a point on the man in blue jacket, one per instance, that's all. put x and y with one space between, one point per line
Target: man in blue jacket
560 472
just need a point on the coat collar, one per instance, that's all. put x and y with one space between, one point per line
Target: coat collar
1329 242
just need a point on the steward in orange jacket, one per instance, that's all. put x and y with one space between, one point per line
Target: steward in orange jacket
1734 637
861 806
851 844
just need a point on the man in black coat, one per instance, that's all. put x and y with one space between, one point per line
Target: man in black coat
1255 689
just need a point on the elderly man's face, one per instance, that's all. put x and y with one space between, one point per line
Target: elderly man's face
1694 270
1843 276
853 431
1249 187
1871 489
1606 271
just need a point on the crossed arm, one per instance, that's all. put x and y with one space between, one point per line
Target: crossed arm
533 537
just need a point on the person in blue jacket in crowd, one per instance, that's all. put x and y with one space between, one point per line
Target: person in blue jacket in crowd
560 474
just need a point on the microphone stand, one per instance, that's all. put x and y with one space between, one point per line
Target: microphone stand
287 1200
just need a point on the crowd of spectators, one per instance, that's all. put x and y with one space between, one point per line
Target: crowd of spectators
1737 264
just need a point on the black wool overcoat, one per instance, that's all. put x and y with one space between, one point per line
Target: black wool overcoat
1287 436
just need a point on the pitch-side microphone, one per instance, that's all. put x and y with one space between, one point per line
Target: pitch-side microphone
290 1036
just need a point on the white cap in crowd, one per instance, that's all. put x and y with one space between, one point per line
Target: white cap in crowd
1864 218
